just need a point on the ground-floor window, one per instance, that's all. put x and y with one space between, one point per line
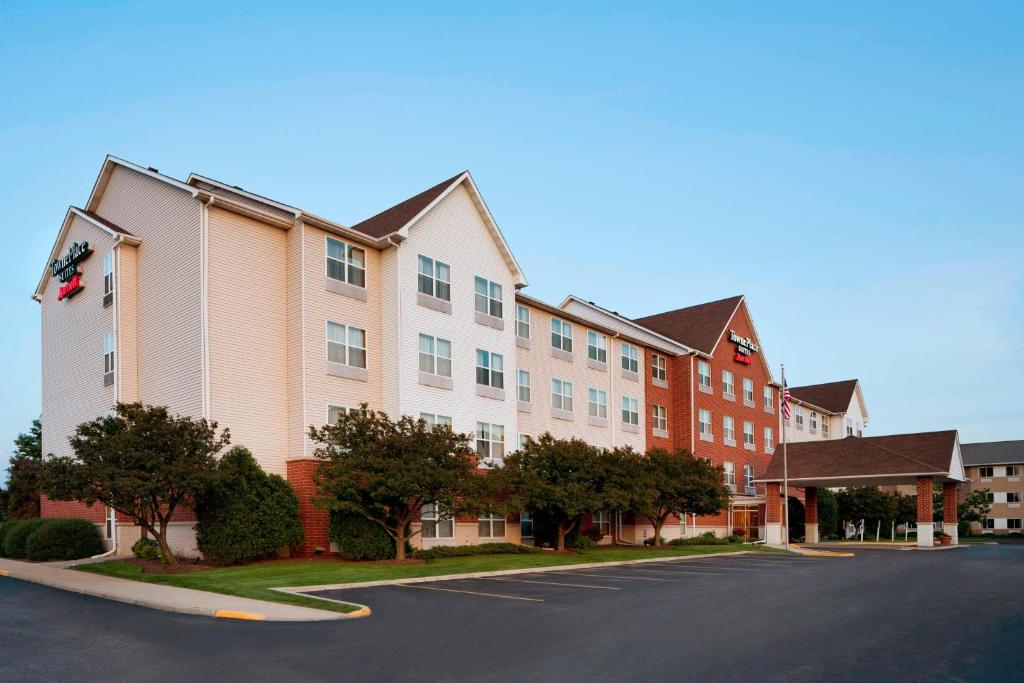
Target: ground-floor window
988 523
1013 523
526 525
492 526
602 522
436 522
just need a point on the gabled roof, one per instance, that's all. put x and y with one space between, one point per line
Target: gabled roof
699 327
834 397
646 336
993 453
108 168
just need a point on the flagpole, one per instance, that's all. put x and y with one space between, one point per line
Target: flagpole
785 468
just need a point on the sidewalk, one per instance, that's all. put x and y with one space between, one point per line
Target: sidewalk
166 598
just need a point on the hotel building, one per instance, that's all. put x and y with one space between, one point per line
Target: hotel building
996 466
224 304
833 410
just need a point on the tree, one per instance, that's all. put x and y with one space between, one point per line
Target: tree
677 483
623 480
828 515
388 470
975 507
141 461
905 508
23 474
557 478
867 503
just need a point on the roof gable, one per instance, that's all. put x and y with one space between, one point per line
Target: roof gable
699 327
834 397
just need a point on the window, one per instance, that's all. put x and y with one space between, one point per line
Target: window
346 263
704 422
108 353
436 523
824 426
730 475
561 335
561 395
435 278
1013 470
488 297
597 403
523 384
108 274
490 369
491 525
525 525
729 429
1013 496
704 374
523 438
990 497
660 418
799 412
659 368
602 521
335 413
988 523
435 356
728 385
490 441
522 322
985 472
435 420
748 433
630 358
769 399
849 427
748 480
860 430
814 421
597 347
1013 523
346 345
630 411
748 390
769 439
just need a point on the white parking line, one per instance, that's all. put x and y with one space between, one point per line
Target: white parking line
453 590
553 583
716 567
616 577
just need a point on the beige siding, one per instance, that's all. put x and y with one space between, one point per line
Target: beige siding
247 295
72 345
391 316
126 310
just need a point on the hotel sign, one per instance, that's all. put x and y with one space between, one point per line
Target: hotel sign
745 348
66 269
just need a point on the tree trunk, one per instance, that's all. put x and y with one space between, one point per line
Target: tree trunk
658 525
400 542
165 549
562 531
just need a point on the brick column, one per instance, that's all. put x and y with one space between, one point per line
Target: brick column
949 512
314 521
925 525
811 514
773 514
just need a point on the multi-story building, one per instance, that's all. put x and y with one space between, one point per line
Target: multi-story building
996 466
224 304
826 411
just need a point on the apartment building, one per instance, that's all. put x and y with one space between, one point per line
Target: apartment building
832 410
996 466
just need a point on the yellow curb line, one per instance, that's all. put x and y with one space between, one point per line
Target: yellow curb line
801 550
3 572
247 616
359 613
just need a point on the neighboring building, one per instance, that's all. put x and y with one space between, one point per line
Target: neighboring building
997 466
826 411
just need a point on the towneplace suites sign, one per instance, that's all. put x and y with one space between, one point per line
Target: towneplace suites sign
66 268
745 348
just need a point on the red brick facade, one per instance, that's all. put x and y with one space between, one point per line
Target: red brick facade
811 505
773 503
58 508
949 499
661 396
924 500
314 522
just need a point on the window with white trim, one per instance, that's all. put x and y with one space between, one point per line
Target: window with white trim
108 273
561 335
728 428
1013 470
597 347
602 521
824 426
748 480
985 472
728 383
435 356
1013 496
108 353
597 403
522 321
860 430
490 441
704 374
849 427
659 416
490 369
814 420
491 525
630 357
748 433
630 411
769 439
335 413
346 263
659 367
434 278
523 385
1013 523
487 297
525 525
988 523
729 474
523 439
748 390
435 420
436 523
561 395
346 345
704 422
798 411
769 398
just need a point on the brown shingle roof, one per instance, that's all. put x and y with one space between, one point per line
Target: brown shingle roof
834 397
104 221
993 453
392 220
699 327
897 454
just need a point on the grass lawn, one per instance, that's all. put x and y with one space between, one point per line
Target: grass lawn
256 580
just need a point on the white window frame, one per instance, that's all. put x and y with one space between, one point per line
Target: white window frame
522 321
630 357
659 367
814 420
435 420
849 427
704 374
729 474
824 426
729 428
798 413
728 383
769 439
1013 470
335 411
659 418
347 346
109 351
983 468
523 385
437 358
490 521
433 521
748 390
597 347
487 442
108 273
434 278
1014 523
487 302
597 403
769 398
493 364
630 411
349 266
561 395
704 422
748 480
748 436
1016 495
602 521
561 335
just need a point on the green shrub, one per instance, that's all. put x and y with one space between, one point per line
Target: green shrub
593 533
652 541
146 549
468 550
584 542
4 527
357 538
248 515
706 538
63 539
735 538
17 535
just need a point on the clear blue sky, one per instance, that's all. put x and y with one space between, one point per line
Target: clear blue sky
856 171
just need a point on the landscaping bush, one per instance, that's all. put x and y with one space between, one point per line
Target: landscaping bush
358 538
593 533
706 538
4 527
146 549
17 535
248 514
63 539
584 542
442 551
735 538
653 541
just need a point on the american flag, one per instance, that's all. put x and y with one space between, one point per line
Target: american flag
785 399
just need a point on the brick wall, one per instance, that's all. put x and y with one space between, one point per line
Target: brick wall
314 522
661 396
949 499
924 500
76 509
811 505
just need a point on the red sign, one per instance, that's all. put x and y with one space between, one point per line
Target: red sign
740 358
70 288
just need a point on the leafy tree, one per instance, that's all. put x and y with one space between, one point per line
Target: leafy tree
797 518
905 508
975 507
3 505
867 503
23 474
828 514
623 479
677 483
142 461
557 478
388 470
